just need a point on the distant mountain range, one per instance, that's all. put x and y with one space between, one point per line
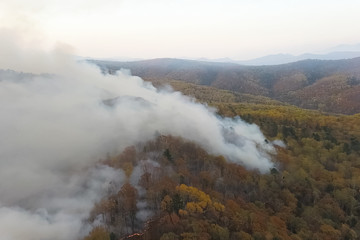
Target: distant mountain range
277 59
339 52
326 85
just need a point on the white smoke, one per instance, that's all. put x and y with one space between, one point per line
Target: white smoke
50 206
59 117
150 166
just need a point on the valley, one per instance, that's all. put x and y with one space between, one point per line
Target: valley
325 85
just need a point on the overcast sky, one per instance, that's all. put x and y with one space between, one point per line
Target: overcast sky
239 29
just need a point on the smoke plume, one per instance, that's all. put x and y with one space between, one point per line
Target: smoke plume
59 117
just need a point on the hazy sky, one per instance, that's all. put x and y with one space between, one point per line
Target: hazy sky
239 29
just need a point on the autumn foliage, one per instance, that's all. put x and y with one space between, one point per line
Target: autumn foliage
313 193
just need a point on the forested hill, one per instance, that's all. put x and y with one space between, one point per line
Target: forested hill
312 194
326 85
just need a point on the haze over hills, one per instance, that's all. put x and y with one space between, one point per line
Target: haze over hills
326 85
276 59
344 51
345 48
337 53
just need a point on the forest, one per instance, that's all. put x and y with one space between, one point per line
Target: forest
179 120
325 85
176 190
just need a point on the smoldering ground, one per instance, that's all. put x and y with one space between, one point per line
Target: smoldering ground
57 122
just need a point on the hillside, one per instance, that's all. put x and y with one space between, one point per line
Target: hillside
313 193
330 86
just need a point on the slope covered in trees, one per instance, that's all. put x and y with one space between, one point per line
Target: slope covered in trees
330 86
175 190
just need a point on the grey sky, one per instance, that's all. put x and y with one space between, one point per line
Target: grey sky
185 28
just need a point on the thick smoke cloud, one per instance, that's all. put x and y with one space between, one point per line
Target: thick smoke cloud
59 117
